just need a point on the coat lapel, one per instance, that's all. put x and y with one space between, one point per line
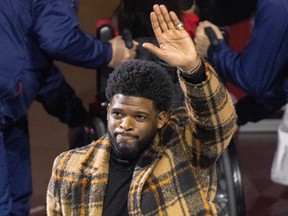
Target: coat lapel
91 187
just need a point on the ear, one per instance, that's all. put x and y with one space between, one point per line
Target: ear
161 119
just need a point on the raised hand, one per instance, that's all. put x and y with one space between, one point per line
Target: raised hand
176 46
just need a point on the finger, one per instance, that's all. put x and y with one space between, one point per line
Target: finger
155 25
217 32
201 24
175 19
166 17
135 45
196 40
160 18
200 31
207 23
199 27
154 49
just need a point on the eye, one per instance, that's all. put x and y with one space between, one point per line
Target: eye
140 117
117 115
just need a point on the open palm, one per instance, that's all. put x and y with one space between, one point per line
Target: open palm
176 46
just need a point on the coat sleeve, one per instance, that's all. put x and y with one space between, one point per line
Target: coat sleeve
56 28
60 100
259 65
213 118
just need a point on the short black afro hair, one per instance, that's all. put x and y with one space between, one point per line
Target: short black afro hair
141 78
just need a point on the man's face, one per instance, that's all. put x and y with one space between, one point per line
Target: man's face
132 124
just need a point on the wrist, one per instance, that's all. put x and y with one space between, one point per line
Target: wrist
188 71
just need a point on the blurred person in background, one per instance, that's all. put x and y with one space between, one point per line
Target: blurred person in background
261 68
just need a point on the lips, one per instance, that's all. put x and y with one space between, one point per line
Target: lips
125 138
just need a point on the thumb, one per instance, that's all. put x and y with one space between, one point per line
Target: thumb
154 49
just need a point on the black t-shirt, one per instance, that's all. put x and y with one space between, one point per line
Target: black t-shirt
120 176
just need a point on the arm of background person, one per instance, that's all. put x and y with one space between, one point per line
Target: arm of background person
60 100
257 67
57 30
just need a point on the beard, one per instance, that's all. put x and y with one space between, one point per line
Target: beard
130 152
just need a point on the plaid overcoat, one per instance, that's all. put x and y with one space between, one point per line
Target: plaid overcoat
175 176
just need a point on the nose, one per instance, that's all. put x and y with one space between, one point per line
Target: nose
126 123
